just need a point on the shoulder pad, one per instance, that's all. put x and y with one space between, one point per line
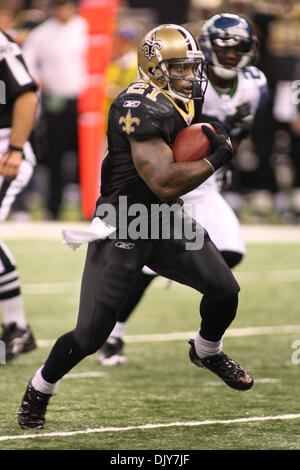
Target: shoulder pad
8 46
141 109
143 95
254 73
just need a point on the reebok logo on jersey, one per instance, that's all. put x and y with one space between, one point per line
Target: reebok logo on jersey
125 245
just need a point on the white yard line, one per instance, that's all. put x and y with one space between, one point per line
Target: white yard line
52 230
287 275
46 288
84 375
233 332
152 426
92 374
41 229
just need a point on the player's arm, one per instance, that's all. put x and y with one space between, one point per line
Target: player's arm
154 162
24 110
241 122
22 122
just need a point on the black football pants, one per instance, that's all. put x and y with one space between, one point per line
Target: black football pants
143 281
110 269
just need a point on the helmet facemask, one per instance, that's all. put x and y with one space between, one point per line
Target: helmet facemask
243 49
232 31
170 46
198 83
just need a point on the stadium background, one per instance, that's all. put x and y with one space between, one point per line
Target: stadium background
268 184
182 408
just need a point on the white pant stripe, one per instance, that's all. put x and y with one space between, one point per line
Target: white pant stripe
9 276
10 286
4 248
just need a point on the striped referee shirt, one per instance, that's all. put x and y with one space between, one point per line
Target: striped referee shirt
15 78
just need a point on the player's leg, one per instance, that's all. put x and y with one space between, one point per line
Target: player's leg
55 177
211 210
54 145
108 275
232 258
205 270
17 334
111 352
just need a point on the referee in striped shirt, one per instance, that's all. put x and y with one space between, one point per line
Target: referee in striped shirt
18 103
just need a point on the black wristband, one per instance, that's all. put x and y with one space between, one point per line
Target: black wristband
221 156
14 148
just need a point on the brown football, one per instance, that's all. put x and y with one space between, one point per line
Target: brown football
192 144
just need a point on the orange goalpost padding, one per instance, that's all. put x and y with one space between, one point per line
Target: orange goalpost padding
101 17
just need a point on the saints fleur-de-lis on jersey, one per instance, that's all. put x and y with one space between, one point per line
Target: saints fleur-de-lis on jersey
128 121
149 47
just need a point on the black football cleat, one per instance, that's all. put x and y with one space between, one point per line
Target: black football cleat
225 368
33 409
111 353
17 340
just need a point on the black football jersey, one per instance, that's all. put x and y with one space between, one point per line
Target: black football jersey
141 111
15 78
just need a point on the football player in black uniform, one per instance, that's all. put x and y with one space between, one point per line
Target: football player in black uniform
139 174
234 93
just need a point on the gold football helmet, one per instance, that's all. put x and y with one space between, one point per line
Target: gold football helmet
167 45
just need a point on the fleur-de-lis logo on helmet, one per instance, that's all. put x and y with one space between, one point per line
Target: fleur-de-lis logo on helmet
149 47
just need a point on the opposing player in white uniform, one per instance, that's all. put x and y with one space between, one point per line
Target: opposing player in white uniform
18 102
235 91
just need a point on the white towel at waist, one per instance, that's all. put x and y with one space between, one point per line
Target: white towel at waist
98 230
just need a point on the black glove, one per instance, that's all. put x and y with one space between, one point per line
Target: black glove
220 144
224 177
240 132
240 123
